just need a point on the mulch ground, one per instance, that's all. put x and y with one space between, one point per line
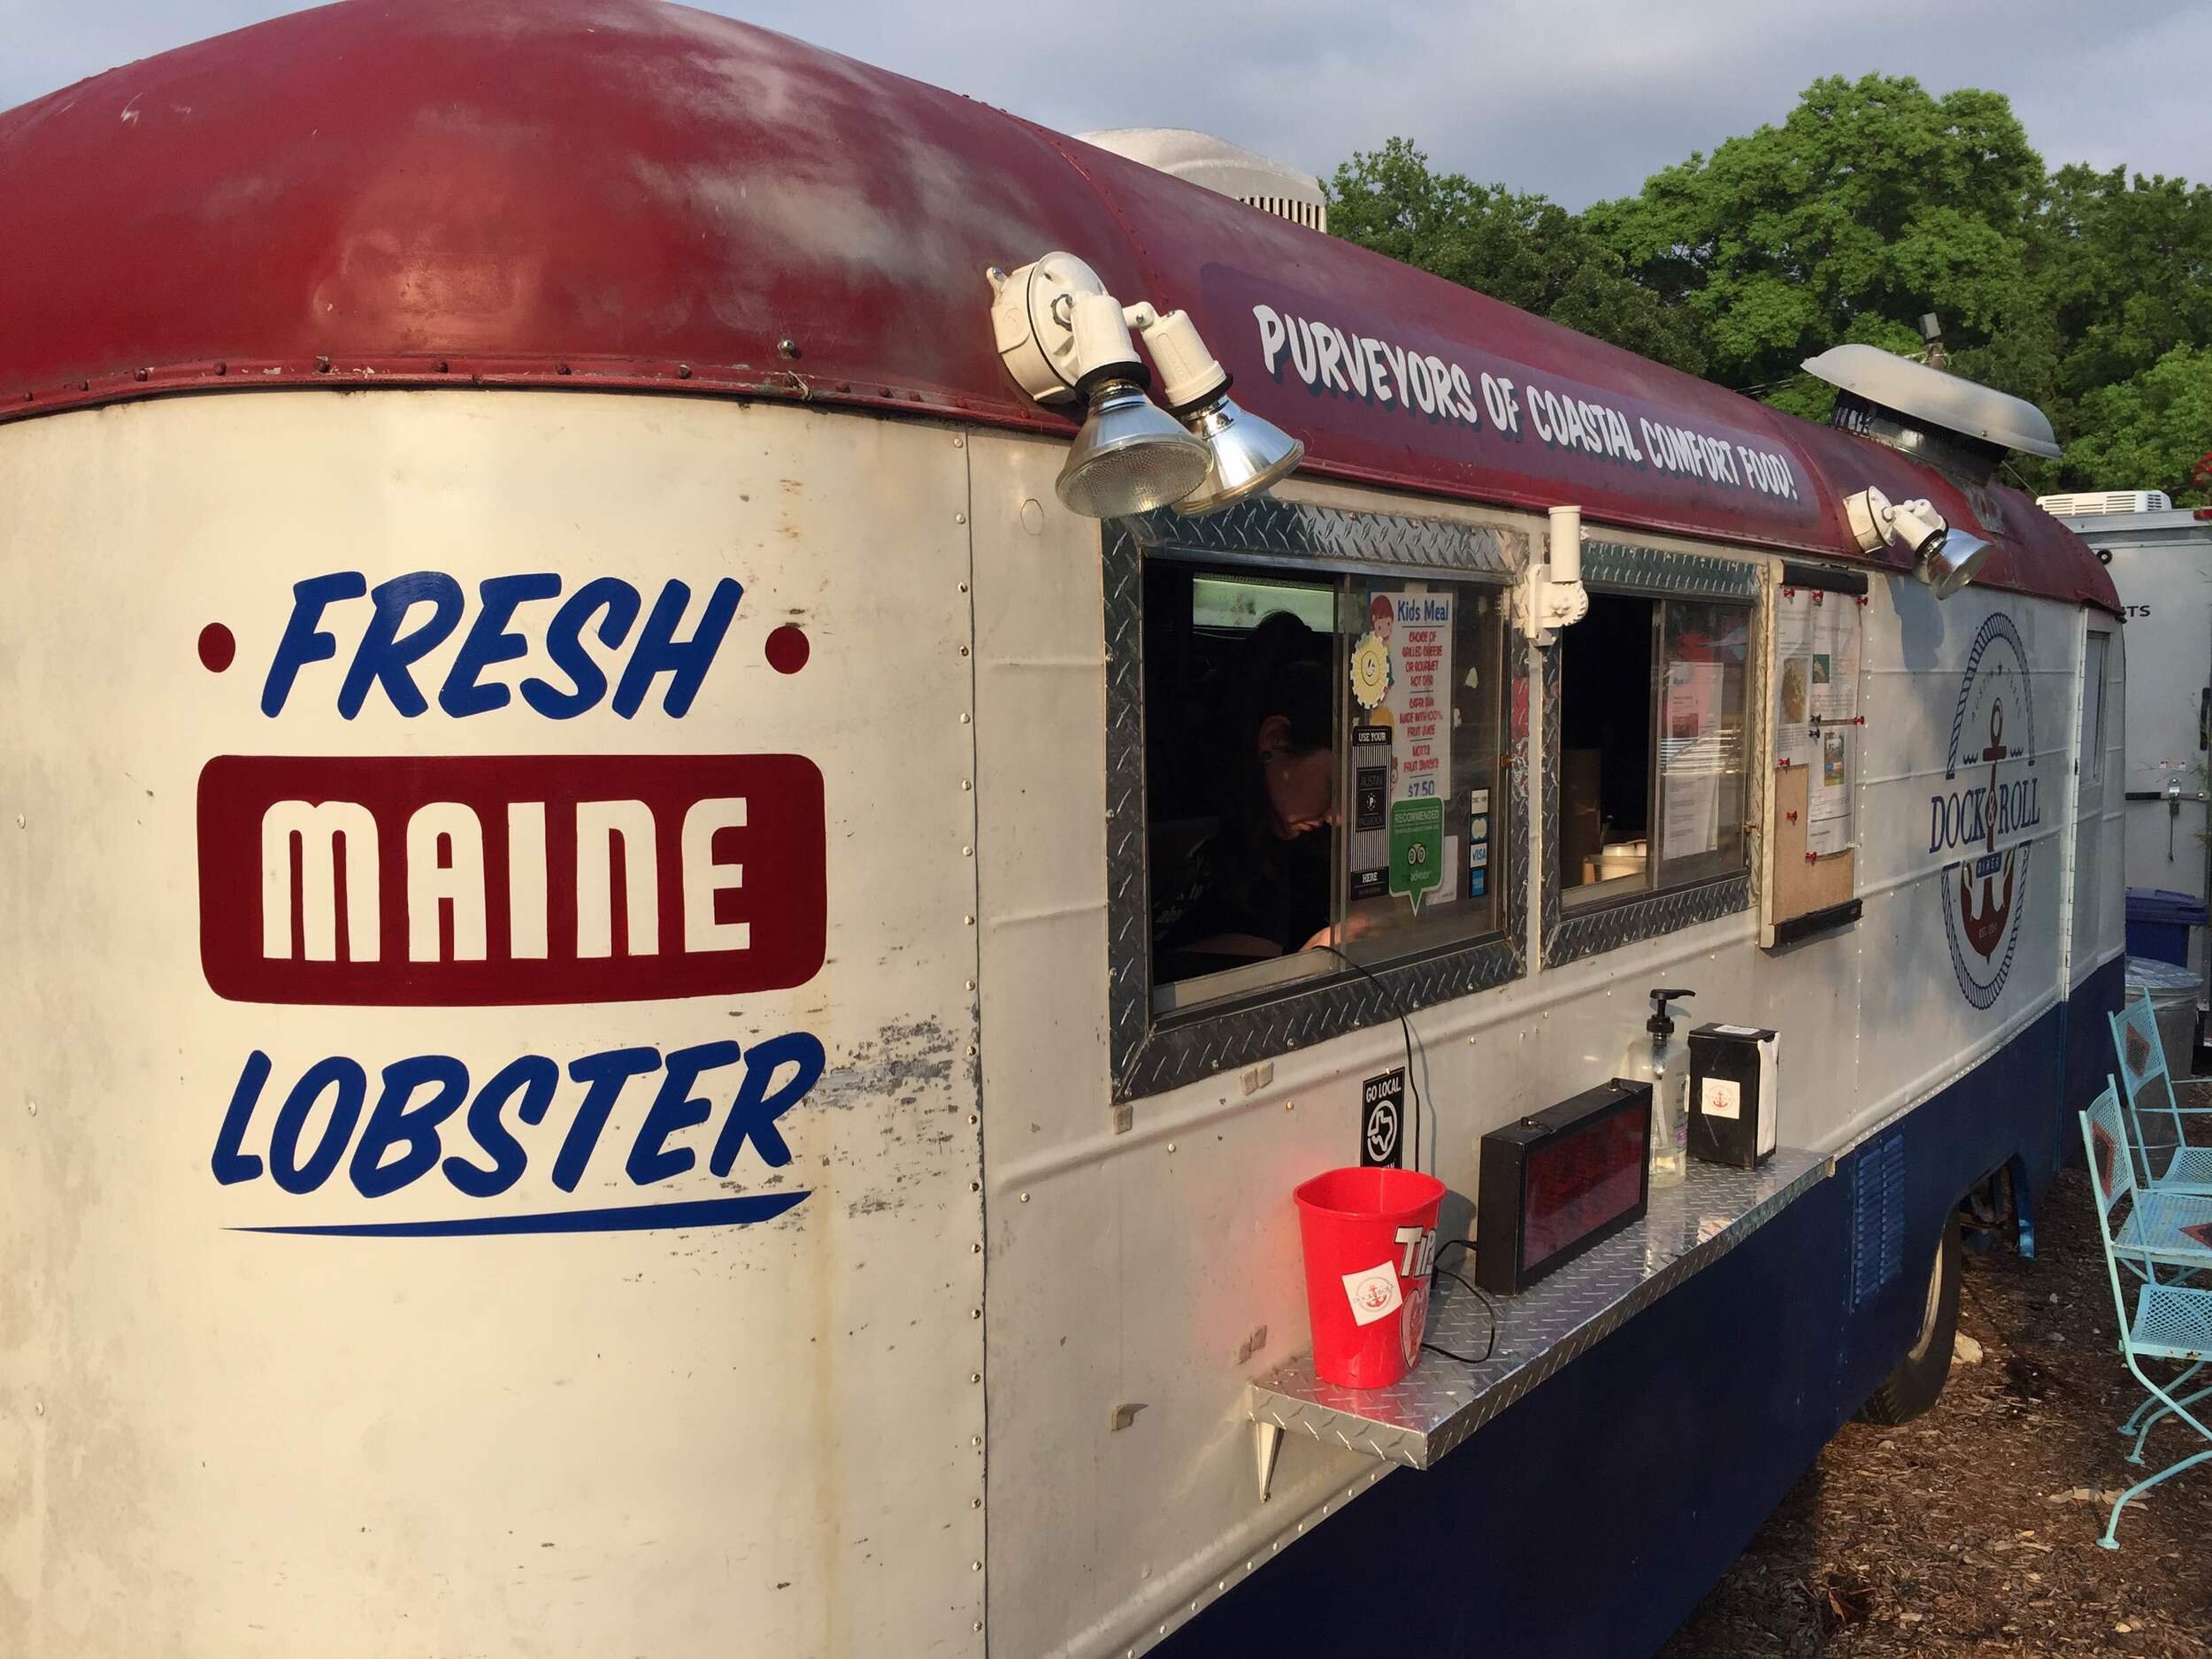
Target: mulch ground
1972 1531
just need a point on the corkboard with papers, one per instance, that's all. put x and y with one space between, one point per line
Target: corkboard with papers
1815 670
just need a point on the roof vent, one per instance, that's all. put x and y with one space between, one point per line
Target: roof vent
1928 413
1227 169
2097 503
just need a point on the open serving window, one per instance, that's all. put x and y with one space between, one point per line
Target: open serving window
1811 878
1650 718
1317 732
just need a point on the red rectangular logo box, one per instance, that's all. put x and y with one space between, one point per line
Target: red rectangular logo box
479 881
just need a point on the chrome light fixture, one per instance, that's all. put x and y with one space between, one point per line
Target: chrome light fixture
1130 456
1944 557
1246 454
1062 336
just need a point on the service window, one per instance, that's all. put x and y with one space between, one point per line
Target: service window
1653 746
1322 770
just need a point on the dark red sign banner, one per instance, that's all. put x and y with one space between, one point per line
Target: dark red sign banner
473 881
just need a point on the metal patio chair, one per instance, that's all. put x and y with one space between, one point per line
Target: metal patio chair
2179 1167
2170 1322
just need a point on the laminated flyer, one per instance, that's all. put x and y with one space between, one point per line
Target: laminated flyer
1816 642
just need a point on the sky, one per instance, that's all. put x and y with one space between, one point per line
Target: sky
1579 99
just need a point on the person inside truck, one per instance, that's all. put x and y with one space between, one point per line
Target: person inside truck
1258 885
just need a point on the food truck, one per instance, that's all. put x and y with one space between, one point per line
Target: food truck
658 1004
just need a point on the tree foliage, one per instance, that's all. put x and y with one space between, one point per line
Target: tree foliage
1873 202
1522 249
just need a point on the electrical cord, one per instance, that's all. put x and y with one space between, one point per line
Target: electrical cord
1405 1027
1491 1346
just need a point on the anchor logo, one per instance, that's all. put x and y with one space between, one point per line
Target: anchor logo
1988 812
1984 924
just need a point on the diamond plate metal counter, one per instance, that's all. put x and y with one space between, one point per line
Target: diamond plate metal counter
1441 1401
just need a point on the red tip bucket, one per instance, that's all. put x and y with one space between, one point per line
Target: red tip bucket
1370 1239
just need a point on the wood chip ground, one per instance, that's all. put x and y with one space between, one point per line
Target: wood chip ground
1972 1532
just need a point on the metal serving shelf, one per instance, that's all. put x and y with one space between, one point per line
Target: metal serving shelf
1441 1401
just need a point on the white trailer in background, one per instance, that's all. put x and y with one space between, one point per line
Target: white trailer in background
2160 556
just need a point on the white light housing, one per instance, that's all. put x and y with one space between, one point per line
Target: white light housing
1944 558
1062 336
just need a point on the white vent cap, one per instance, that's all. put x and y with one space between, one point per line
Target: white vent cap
1935 398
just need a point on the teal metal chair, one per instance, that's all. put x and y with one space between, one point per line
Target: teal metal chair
2172 1165
2171 1322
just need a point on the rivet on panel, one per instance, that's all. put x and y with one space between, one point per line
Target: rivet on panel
967 852
965 717
975 1440
964 588
1024 1198
969 983
967 783
975 1503
1171 1145
971 1050
969 920
38 1408
975 1313
975 1187
975 1375
975 1566
959 442
33 1109
960 518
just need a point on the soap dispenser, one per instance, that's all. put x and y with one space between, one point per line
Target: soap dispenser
1664 1059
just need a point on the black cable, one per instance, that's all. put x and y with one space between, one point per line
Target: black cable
1405 1026
1491 1346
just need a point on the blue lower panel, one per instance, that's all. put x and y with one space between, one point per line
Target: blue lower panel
1589 1520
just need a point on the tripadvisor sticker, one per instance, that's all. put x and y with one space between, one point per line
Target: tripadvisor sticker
1416 846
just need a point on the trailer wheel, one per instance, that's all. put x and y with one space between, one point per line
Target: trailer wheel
1912 1387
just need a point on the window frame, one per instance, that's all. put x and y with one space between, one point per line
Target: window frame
1152 1053
1645 571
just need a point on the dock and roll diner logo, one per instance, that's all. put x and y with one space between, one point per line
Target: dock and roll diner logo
1988 812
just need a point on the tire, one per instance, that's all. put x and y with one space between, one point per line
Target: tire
1919 1379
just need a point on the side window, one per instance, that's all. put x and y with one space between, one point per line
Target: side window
1322 773
2093 674
1653 753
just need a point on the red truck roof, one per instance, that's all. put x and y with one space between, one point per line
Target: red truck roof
626 195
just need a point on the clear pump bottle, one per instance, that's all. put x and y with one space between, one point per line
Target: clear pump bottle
1665 1060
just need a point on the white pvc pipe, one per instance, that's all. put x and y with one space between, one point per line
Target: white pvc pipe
1566 544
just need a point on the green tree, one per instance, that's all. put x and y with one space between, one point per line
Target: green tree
1873 202
2149 431
1522 249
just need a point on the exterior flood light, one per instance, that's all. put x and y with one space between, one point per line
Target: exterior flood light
1944 558
1062 336
1130 457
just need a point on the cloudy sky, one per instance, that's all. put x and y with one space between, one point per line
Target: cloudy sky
1578 98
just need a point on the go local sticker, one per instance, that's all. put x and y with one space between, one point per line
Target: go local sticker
1373 1294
